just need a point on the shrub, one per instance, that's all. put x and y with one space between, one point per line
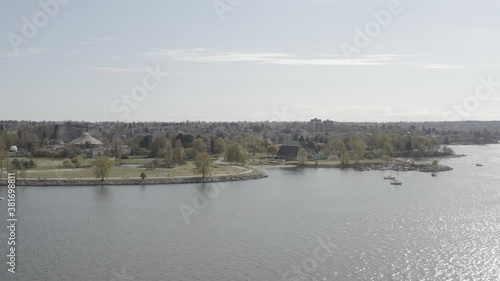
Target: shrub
23 164
191 153
16 164
142 151
77 161
68 163
43 152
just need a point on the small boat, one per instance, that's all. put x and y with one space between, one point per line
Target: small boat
479 165
396 181
389 177
1 198
434 175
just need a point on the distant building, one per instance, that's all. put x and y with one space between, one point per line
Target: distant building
86 140
329 125
288 152
316 126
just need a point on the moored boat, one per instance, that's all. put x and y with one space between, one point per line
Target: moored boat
396 181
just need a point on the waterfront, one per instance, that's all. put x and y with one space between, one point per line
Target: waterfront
442 228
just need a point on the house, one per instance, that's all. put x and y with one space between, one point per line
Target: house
288 152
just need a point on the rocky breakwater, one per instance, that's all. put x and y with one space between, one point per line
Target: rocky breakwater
434 168
255 174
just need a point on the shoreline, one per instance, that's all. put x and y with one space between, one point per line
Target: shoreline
424 168
254 175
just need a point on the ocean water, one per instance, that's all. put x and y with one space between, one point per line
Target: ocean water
430 228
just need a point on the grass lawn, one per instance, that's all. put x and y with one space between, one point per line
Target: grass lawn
52 168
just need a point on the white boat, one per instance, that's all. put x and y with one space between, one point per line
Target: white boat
396 181
389 177
1 198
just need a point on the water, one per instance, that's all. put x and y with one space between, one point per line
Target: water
442 228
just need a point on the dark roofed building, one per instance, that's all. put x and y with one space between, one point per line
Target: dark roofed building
288 152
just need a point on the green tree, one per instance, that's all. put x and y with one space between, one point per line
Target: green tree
191 153
199 145
203 163
116 146
103 167
158 145
237 154
9 139
272 150
345 159
168 152
359 148
143 176
220 146
339 147
178 151
253 144
388 149
78 160
302 157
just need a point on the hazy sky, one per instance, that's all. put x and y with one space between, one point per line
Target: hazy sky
250 60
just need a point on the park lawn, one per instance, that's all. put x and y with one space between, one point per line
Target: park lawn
138 160
51 168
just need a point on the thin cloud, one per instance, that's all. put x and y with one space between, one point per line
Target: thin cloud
85 43
104 38
117 69
442 66
95 40
28 52
212 56
323 1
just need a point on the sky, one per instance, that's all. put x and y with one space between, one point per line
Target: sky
254 60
